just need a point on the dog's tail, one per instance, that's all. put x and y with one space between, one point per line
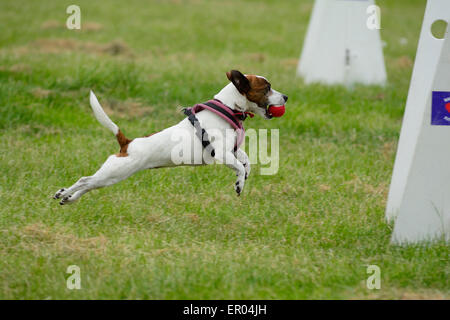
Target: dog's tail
107 122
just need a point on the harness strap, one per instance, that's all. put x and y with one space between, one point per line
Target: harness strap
233 118
224 112
199 131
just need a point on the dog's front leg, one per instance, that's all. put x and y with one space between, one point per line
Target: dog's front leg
232 162
243 158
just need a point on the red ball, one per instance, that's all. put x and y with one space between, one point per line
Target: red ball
277 111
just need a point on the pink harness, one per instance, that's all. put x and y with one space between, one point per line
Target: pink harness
227 114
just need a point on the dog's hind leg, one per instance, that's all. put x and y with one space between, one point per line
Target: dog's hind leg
115 169
74 197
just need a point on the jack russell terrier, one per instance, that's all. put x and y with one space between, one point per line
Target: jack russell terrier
217 124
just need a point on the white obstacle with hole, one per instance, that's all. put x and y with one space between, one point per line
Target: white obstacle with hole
419 196
342 44
427 57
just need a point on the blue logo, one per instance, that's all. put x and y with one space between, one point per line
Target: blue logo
440 108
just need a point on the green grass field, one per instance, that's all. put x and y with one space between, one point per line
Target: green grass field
307 232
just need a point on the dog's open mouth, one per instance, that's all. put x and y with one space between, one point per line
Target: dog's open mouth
268 114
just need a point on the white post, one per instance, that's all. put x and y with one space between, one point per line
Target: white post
424 213
342 44
427 57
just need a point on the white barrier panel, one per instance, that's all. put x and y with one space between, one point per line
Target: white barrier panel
427 57
425 208
342 46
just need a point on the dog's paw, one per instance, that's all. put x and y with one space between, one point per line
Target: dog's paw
65 200
247 169
239 186
59 193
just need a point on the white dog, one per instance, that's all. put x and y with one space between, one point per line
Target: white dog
245 94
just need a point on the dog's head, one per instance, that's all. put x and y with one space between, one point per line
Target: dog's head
258 92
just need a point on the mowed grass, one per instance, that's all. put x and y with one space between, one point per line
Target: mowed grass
307 232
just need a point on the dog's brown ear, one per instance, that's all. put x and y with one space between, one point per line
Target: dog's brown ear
239 80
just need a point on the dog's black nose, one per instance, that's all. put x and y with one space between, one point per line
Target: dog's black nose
285 97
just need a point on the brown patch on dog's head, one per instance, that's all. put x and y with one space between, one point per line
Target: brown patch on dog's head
259 90
254 88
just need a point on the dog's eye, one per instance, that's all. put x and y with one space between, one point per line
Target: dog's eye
268 89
